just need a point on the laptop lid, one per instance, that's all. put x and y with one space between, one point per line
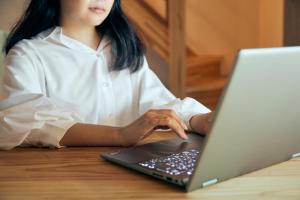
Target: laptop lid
258 119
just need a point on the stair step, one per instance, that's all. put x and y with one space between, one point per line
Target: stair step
152 25
204 59
157 6
153 28
202 67
206 85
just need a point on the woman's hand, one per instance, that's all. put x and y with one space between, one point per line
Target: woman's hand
150 121
202 122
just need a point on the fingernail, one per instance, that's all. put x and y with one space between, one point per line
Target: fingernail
184 126
185 137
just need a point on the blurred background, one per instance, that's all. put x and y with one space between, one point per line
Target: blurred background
191 44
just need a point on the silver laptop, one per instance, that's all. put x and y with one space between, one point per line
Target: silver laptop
257 124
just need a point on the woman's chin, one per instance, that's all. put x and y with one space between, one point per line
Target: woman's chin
96 22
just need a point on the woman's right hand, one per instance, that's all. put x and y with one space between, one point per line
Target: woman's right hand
148 123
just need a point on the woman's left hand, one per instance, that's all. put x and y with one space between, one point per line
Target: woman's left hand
202 122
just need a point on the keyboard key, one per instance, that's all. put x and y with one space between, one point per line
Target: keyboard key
174 164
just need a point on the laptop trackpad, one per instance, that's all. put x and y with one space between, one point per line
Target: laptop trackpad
155 149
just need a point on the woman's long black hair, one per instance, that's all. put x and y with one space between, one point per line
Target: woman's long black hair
127 48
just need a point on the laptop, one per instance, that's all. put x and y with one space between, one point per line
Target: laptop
257 124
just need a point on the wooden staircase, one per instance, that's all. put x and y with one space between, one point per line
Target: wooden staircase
202 73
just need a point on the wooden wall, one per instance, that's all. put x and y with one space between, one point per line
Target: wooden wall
224 26
271 23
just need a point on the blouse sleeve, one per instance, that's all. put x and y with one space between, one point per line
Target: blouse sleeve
154 95
27 116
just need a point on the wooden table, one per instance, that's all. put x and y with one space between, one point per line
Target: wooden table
79 173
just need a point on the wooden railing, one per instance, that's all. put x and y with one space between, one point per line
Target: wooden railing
162 25
165 29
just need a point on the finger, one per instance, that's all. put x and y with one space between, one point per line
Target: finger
155 118
170 119
146 134
174 125
172 114
148 123
162 127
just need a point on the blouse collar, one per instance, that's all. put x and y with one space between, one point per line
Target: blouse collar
56 34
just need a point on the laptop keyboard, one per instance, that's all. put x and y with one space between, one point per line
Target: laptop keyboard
175 164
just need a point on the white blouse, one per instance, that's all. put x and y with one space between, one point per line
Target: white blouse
52 82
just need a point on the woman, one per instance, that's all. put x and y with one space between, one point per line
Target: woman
76 75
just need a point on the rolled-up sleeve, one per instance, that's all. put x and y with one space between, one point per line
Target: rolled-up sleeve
27 116
154 95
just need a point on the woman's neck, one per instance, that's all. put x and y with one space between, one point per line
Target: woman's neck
87 35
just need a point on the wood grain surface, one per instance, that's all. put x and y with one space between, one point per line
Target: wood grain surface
79 173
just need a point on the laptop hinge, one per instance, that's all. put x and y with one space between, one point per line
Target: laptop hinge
296 155
209 182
